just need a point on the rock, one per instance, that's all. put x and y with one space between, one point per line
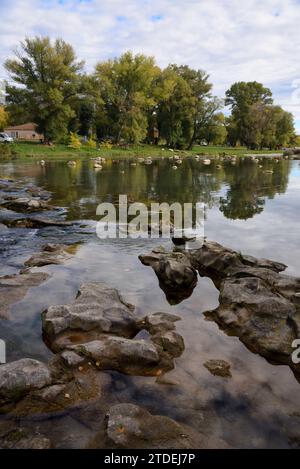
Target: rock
51 392
71 359
118 353
51 254
264 320
20 377
170 342
218 368
177 277
20 438
97 309
26 204
156 323
257 303
36 222
14 287
131 426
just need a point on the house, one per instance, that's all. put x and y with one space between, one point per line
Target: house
24 132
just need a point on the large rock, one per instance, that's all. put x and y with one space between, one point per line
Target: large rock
100 326
14 287
97 309
257 303
20 377
138 357
131 426
177 277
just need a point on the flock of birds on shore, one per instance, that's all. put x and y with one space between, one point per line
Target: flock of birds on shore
176 160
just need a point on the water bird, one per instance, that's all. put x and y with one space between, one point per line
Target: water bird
207 162
174 167
71 163
42 162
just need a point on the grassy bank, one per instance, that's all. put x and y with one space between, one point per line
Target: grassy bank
32 151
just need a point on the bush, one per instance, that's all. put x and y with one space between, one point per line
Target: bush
106 145
6 152
91 143
74 141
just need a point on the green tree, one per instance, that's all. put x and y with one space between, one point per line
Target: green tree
176 110
126 87
214 131
241 97
48 80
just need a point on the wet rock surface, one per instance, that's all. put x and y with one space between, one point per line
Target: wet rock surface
14 287
97 309
101 327
177 277
20 377
131 426
50 254
258 303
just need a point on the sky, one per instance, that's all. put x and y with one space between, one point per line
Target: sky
231 40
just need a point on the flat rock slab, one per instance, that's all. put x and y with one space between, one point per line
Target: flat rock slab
20 377
26 204
97 309
51 254
14 287
36 222
131 426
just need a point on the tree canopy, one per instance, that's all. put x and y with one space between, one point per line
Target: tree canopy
131 99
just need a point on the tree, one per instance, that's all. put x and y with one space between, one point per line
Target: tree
214 130
241 97
126 87
204 105
175 110
48 80
3 117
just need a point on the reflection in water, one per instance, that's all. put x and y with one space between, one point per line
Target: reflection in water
247 209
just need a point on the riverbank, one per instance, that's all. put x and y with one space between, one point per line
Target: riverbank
31 151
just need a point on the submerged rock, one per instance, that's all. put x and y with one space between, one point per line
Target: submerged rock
51 254
21 438
218 368
131 426
14 287
20 377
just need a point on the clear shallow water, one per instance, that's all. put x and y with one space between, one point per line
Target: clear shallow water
248 210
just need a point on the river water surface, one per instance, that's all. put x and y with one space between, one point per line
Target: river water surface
247 209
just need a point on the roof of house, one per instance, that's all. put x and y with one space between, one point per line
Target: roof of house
27 126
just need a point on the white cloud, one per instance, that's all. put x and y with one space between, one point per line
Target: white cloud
231 40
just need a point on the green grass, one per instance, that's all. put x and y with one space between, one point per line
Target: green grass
32 151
